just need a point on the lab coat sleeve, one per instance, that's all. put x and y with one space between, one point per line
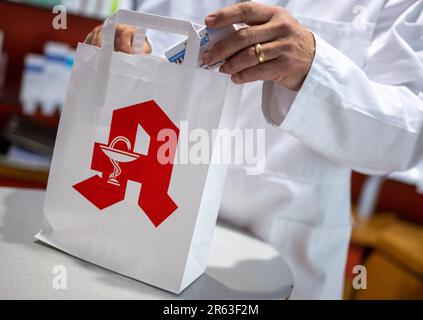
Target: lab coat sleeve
367 119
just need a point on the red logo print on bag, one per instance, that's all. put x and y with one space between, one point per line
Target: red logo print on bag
118 163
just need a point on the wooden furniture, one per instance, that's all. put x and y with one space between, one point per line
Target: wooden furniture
394 262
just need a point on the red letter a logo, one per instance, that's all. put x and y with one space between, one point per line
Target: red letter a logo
118 163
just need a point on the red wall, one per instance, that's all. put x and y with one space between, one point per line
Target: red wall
394 197
26 29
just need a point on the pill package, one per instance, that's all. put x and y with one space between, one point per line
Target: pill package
209 37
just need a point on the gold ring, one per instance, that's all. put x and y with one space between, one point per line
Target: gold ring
259 53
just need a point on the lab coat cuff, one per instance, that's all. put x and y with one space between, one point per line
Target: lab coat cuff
285 108
277 101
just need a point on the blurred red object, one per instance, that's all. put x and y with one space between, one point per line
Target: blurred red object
394 196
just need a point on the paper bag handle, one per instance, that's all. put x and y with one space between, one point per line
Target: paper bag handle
145 21
142 21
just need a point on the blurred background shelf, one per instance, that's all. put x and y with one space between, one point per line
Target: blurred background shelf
97 9
19 40
31 36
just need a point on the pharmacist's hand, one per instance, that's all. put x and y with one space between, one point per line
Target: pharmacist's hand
124 37
288 47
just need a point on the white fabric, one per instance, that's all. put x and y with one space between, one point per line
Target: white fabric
358 109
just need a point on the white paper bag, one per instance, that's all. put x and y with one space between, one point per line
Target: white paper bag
109 201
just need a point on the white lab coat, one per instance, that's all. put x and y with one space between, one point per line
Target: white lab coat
359 109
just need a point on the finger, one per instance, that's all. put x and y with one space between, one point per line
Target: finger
94 39
97 40
147 46
124 38
247 58
263 72
91 35
246 12
239 40
89 38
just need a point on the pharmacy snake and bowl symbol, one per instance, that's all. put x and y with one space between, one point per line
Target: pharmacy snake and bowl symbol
117 156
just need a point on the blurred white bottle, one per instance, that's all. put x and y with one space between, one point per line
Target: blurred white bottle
32 83
91 8
55 77
70 58
106 8
110 6
126 4
72 6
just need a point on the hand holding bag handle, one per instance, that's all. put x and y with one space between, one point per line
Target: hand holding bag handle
149 21
142 21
